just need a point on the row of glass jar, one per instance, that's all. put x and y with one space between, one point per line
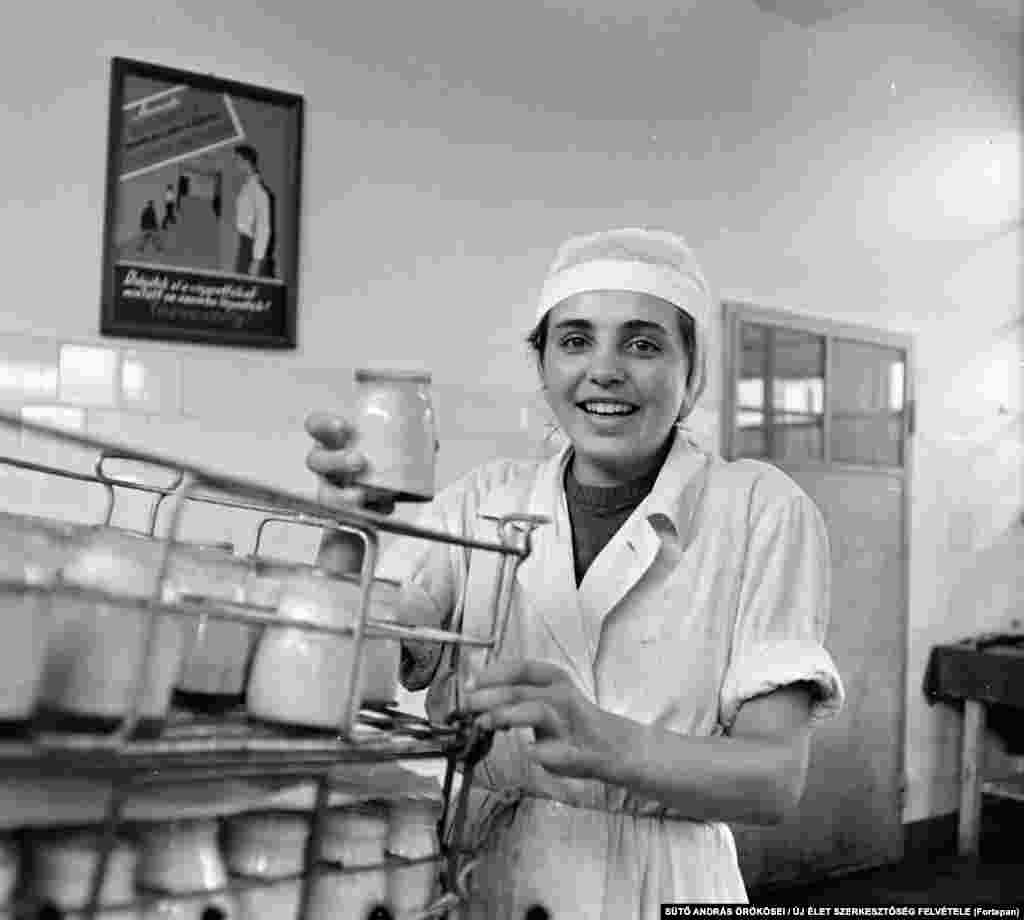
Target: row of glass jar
71 661
247 867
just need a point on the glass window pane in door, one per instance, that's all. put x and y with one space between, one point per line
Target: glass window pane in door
749 438
780 394
798 395
867 401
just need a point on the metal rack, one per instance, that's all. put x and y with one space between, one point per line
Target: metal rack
200 750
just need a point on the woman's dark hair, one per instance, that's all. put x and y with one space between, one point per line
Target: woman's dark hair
538 340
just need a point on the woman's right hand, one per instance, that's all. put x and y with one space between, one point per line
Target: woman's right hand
337 464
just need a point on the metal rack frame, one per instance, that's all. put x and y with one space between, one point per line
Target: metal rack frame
225 751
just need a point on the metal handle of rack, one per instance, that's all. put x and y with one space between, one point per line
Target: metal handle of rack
160 493
298 520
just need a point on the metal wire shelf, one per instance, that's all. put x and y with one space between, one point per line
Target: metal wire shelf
193 750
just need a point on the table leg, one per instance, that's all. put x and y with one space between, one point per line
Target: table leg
972 753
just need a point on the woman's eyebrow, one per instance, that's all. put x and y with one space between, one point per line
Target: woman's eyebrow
630 325
643 325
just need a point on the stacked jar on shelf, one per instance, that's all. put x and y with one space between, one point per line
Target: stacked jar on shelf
75 661
376 857
74 657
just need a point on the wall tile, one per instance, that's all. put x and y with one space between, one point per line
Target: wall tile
88 375
151 381
28 370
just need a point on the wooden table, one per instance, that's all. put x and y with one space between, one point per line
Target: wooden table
982 672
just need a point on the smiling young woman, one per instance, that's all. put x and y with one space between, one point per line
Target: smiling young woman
614 371
663 665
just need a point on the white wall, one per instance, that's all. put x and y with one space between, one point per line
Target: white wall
866 170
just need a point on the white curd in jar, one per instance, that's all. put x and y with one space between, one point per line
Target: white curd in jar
413 828
63 863
267 844
352 894
355 835
30 557
97 646
397 432
276 901
301 677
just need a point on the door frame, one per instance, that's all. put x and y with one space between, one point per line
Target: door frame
736 311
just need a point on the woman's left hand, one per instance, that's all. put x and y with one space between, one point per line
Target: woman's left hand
572 736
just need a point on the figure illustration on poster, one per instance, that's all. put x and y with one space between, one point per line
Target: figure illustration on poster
254 217
150 227
214 145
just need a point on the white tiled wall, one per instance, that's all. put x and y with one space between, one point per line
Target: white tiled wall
89 375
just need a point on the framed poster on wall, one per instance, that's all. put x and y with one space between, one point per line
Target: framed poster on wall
203 190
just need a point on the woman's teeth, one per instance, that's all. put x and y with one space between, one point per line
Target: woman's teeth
603 408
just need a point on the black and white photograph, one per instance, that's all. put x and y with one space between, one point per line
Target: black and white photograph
613 510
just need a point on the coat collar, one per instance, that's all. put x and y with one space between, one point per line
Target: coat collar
574 619
669 506
669 501
662 521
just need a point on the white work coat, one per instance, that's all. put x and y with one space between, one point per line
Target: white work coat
714 590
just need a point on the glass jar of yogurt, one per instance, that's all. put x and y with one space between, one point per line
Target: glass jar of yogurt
397 432
62 866
184 858
269 848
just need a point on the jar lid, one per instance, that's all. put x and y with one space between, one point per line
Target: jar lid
369 374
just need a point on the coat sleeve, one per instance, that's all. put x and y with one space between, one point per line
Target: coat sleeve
783 609
429 573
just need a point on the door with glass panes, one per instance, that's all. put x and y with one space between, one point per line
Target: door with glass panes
831 405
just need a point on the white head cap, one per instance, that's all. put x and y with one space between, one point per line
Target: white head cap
653 262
